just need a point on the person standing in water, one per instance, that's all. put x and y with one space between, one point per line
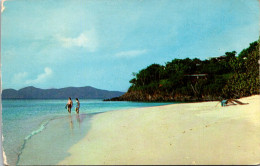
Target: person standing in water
69 105
78 105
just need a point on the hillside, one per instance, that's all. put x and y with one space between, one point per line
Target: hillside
87 92
228 76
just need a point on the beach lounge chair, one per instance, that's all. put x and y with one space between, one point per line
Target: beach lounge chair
231 102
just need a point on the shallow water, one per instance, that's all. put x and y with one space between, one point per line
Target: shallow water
41 131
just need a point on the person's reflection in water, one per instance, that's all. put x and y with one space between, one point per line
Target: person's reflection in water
78 119
71 123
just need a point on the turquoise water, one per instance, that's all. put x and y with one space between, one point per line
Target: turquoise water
41 131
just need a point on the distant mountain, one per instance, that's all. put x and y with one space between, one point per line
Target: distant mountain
87 92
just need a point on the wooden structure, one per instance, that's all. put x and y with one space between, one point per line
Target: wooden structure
197 75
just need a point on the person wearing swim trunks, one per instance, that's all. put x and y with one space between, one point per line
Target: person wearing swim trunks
78 105
69 105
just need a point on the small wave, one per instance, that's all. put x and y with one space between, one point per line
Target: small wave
40 129
33 133
27 138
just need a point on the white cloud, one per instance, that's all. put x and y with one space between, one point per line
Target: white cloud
131 53
19 77
86 40
41 77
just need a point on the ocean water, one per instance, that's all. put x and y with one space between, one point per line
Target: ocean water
40 132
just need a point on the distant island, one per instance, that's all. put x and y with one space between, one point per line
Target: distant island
226 76
87 92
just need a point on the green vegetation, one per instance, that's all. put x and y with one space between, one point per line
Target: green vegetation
227 76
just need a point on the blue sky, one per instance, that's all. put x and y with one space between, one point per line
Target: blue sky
61 43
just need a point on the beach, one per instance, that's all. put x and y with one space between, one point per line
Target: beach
185 133
29 126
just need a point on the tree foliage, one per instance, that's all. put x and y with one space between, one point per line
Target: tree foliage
227 76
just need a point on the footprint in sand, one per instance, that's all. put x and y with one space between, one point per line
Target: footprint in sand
183 132
207 126
190 129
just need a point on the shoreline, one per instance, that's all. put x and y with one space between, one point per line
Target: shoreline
184 133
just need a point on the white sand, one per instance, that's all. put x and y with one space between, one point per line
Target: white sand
193 133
